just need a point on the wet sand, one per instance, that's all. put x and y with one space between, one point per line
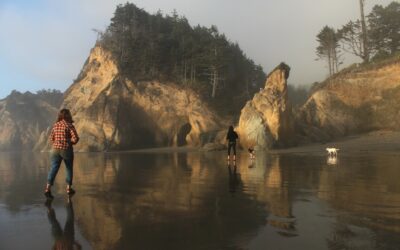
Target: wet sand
301 199
388 141
162 150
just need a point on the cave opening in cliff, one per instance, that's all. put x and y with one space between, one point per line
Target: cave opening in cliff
182 133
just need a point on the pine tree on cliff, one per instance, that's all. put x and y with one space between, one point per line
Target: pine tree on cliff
384 31
354 36
328 48
166 48
379 38
365 47
351 38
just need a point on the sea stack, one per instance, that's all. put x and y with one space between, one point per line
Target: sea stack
115 113
266 121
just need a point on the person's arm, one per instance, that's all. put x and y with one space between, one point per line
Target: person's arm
74 135
52 135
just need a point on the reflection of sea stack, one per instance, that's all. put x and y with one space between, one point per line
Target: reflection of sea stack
278 196
266 120
150 197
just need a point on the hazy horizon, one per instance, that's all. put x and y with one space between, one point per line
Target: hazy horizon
44 44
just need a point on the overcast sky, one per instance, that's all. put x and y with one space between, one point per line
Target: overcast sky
44 43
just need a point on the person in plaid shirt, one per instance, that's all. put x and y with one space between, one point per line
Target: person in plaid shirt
63 136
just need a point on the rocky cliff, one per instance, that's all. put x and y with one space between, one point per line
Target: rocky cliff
114 113
358 99
266 120
23 118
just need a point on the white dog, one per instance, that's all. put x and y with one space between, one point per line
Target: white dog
332 151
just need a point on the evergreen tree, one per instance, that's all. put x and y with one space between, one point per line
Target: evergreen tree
328 48
352 39
167 48
385 29
364 34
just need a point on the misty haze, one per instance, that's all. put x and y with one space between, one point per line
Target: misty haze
199 124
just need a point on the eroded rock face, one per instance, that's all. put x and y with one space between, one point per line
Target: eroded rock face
23 118
113 113
266 121
354 102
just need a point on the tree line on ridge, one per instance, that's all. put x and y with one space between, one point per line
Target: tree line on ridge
371 38
167 48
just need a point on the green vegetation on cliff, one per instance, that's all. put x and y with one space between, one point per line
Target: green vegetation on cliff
167 48
373 38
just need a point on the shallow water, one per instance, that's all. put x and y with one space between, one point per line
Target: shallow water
196 201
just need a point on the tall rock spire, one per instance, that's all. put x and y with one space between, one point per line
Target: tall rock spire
266 121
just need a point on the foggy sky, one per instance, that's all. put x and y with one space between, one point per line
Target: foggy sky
44 43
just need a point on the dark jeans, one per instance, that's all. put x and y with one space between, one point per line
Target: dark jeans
56 157
232 145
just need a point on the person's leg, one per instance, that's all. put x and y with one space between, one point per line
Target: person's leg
229 149
55 161
234 150
68 156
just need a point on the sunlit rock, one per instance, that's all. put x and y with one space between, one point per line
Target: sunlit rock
266 121
356 100
113 113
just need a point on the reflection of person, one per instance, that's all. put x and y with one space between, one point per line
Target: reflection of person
233 178
63 239
251 165
63 136
231 137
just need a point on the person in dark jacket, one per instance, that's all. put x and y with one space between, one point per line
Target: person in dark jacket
231 137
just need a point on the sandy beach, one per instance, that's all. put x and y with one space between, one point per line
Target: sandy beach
387 141
382 141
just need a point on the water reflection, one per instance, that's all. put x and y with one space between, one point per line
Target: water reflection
234 177
63 238
179 197
197 201
21 178
332 160
252 162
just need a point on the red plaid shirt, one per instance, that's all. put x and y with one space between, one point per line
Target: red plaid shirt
63 135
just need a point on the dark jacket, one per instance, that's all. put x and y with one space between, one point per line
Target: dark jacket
232 136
